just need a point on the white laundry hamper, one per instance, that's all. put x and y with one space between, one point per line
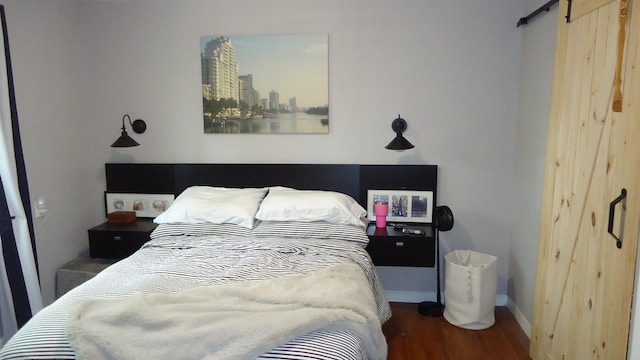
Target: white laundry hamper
471 283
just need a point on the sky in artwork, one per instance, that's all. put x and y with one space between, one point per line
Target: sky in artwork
293 65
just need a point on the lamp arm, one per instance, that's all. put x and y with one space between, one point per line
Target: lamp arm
125 116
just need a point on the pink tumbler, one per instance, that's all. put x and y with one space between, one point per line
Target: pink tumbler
381 211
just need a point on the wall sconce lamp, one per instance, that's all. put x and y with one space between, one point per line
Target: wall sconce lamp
399 142
138 126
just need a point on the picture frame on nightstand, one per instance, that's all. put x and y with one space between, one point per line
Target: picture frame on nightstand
145 205
410 206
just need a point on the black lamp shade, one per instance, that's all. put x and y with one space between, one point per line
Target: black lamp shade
399 143
399 125
124 141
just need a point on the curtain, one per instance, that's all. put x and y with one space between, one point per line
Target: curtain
19 283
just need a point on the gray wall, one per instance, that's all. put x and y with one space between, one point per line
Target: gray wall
536 71
450 68
50 73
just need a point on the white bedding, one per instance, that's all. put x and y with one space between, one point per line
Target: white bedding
171 264
228 322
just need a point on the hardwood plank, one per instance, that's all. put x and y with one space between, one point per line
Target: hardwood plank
413 336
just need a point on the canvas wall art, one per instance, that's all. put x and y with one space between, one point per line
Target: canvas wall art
265 84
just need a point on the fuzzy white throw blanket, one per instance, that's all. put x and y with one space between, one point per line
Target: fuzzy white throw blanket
231 321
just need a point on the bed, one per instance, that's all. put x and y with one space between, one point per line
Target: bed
286 265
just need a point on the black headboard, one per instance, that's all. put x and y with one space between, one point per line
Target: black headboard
351 179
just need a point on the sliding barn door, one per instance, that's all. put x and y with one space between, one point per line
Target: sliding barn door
584 280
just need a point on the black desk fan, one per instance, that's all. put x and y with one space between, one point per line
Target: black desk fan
443 222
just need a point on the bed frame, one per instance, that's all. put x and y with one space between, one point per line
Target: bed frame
351 179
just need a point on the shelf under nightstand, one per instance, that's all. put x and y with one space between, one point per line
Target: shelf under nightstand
391 247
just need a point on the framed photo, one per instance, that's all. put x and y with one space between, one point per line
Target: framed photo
404 205
145 205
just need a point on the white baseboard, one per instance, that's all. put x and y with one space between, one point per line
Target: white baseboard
419 296
520 318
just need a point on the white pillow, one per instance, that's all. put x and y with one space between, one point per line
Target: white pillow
218 205
285 204
304 230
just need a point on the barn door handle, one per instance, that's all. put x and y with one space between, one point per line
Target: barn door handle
612 214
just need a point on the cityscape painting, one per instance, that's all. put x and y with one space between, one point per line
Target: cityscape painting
266 84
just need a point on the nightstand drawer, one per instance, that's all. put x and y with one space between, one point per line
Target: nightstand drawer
402 251
117 241
393 248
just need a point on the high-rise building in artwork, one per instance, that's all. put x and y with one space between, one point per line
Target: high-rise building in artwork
205 68
219 69
274 100
247 92
256 97
293 104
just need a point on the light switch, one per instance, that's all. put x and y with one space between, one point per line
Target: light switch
40 203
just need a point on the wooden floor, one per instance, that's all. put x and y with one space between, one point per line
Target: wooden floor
416 337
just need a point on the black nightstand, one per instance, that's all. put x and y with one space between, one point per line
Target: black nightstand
391 247
117 241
